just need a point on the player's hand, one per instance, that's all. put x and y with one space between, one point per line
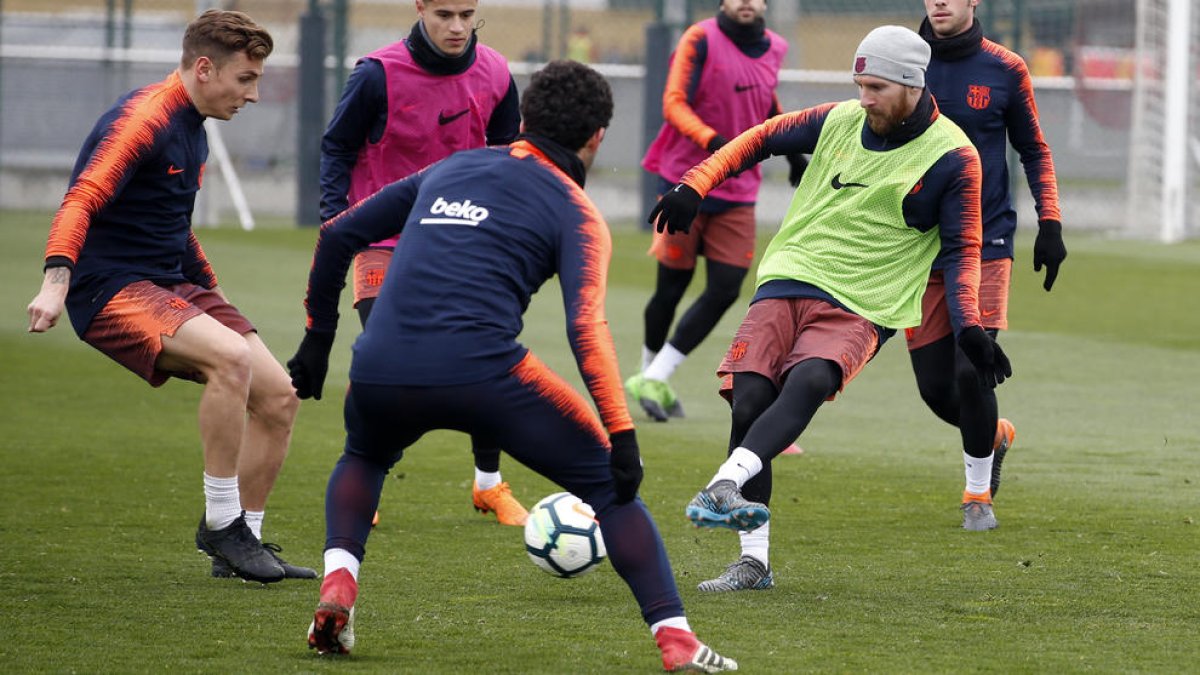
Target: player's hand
985 354
44 312
47 306
310 364
1049 250
676 210
797 163
716 143
625 462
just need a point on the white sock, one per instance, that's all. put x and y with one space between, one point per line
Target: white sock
756 543
679 622
979 473
338 559
486 480
647 357
664 364
741 466
222 502
255 519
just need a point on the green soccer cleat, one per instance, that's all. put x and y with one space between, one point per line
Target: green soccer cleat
655 396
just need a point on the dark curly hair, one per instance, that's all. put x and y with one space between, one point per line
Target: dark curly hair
566 102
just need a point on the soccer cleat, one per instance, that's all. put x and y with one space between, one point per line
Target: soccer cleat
241 552
499 499
682 651
655 396
722 505
977 512
222 570
1006 434
332 627
793 449
746 574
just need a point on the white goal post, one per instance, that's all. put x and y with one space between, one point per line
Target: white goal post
1164 157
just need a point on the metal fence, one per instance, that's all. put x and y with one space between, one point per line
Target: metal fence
62 62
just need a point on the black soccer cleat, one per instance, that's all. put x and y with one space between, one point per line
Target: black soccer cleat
221 569
241 552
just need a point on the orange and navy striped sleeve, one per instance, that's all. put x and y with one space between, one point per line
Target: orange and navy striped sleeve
128 139
195 264
1025 135
960 223
683 78
584 253
785 134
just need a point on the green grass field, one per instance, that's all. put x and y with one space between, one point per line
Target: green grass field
1094 566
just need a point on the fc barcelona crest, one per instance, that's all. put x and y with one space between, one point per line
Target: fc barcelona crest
737 350
860 64
978 96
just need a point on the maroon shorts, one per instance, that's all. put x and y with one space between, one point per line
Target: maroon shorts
779 333
994 277
725 237
369 267
130 328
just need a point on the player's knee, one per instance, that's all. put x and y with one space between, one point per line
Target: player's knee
720 298
748 404
274 400
229 365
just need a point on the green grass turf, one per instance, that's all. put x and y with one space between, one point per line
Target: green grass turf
1094 566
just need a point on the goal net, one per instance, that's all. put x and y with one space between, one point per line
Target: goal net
1164 153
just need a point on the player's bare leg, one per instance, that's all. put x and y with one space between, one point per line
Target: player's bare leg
271 411
223 359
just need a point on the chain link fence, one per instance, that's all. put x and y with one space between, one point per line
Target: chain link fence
62 62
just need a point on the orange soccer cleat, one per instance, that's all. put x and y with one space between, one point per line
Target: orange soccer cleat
1006 434
499 499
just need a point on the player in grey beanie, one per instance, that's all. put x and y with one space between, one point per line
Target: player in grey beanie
893 53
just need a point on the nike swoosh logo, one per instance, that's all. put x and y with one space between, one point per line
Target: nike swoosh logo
172 170
838 184
985 313
739 88
443 118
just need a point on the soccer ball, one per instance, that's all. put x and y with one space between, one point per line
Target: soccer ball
562 536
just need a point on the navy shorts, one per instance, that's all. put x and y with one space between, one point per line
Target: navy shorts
530 412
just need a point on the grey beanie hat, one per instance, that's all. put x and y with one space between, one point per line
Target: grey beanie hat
893 53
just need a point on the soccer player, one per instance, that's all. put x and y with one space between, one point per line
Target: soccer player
123 259
405 106
721 82
986 90
890 182
482 231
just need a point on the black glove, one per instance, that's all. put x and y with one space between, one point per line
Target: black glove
1049 250
985 354
715 143
676 210
626 465
797 163
310 364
